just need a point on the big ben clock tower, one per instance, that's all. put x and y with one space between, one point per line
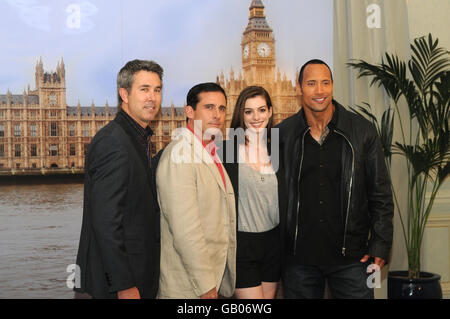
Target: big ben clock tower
258 68
258 47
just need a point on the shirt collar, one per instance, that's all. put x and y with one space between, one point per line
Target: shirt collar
333 122
144 133
210 147
334 119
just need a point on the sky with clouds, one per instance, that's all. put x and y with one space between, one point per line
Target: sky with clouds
193 40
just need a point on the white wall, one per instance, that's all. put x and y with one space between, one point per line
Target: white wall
431 16
401 22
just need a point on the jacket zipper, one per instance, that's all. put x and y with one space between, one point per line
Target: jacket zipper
298 185
350 191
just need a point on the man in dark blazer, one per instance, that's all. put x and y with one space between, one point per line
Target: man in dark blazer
119 251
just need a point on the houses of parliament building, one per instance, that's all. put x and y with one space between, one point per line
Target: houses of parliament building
39 132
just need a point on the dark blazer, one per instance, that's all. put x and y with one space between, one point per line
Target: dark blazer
120 235
232 168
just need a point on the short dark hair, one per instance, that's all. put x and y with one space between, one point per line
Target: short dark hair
249 92
192 96
313 61
125 78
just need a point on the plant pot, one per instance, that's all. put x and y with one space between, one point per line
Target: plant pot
428 286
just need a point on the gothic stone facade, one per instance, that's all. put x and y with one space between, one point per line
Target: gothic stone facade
39 130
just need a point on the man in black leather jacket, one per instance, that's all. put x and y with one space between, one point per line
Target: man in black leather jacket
340 208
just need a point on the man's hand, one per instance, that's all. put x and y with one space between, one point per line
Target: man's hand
132 293
378 261
212 294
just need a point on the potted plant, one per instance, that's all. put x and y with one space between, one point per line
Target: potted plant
424 144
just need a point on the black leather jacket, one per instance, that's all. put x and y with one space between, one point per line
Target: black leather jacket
367 205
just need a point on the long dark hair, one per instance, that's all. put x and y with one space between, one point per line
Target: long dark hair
238 115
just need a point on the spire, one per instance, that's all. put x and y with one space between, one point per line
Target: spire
257 20
39 66
8 97
62 69
39 73
106 108
93 108
256 4
25 100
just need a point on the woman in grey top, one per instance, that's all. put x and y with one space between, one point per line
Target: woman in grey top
255 184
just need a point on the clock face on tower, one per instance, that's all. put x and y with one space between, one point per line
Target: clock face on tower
263 50
246 51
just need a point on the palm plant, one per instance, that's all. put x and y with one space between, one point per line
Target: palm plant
424 143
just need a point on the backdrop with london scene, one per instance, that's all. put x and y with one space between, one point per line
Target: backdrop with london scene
192 40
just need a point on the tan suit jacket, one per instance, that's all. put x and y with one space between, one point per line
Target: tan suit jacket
198 222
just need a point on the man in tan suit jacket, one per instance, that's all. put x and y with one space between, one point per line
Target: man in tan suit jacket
198 217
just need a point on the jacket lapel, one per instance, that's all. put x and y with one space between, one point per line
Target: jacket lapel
200 154
140 153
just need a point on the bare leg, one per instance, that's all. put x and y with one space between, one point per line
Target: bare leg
249 293
269 289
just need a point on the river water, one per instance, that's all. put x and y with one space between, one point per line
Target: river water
40 223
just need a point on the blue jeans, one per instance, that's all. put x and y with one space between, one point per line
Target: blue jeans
344 281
